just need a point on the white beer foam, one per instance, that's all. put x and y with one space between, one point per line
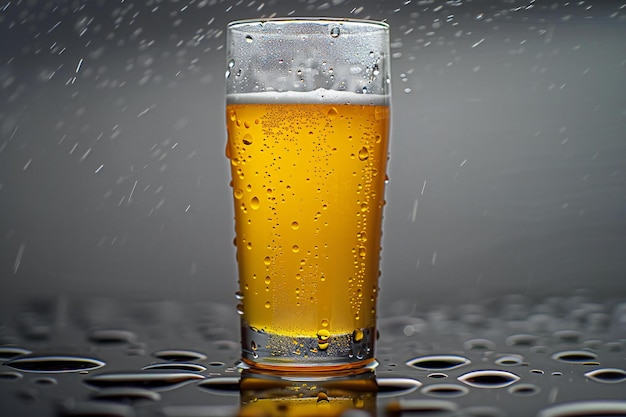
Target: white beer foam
319 96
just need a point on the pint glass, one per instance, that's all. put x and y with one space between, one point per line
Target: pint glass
307 117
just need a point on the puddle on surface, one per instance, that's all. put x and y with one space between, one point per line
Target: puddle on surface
420 377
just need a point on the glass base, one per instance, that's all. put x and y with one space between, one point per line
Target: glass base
274 352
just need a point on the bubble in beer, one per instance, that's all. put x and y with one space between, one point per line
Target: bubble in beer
334 31
364 154
295 225
254 203
322 339
247 139
332 113
325 322
357 335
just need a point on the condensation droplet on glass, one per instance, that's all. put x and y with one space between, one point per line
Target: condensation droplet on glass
334 31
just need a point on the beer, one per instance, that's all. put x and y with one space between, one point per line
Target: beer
308 175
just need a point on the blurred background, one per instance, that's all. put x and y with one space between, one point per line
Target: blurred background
507 163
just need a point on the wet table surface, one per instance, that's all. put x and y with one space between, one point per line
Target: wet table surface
559 356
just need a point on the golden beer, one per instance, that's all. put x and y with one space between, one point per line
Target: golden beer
308 177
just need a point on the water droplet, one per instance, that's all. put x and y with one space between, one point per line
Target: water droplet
155 380
240 309
522 340
509 360
134 396
247 139
334 31
489 379
268 280
575 356
479 344
364 207
186 367
437 375
389 387
332 113
267 304
362 251
179 355
607 375
524 389
44 381
105 336
54 364
239 295
10 376
253 345
438 362
267 260
325 322
254 203
221 384
295 225
445 390
9 352
238 193
593 408
231 63
295 249
248 39
567 336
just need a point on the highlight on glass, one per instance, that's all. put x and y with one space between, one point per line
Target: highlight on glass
307 115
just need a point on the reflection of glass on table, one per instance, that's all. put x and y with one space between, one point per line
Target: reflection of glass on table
265 395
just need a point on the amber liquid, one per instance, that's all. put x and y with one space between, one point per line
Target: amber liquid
308 185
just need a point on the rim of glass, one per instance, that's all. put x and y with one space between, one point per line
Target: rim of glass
368 22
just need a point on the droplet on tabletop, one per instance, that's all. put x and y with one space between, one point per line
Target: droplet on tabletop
54 363
489 379
438 362
176 355
156 380
607 375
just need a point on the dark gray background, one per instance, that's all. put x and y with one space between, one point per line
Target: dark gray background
507 164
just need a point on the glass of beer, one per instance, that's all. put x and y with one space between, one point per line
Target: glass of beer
307 117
